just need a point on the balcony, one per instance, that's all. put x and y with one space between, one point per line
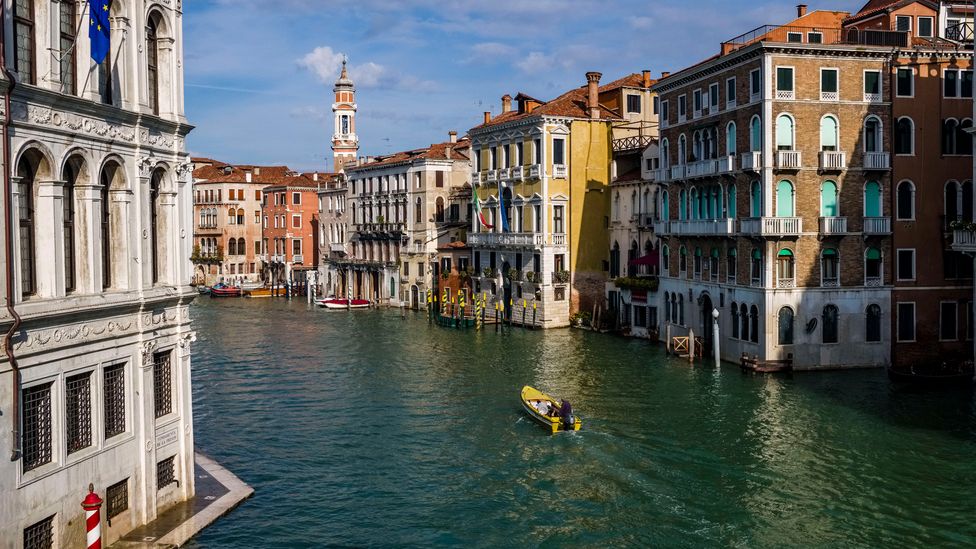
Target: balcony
491 176
703 227
788 160
702 168
559 171
877 225
645 221
559 240
833 225
726 164
517 173
662 227
504 174
507 240
752 161
785 95
660 175
298 259
963 241
772 226
677 172
832 161
535 171
877 161
476 179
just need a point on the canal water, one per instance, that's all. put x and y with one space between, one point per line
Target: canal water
364 429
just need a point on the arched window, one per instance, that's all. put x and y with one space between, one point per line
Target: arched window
905 136
755 197
418 212
681 309
694 204
730 139
828 199
949 142
152 62
682 210
665 208
735 320
830 324
232 246
872 324
616 206
155 183
439 207
784 133
744 319
665 154
682 149
240 216
70 178
674 308
754 324
756 267
952 203
682 260
731 202
873 140
665 260
872 199
632 255
784 199
731 265
964 140
906 200
829 133
27 171
667 306
786 326
615 260
232 216
755 134
872 267
829 268
967 201
786 269
697 152
106 226
698 261
67 27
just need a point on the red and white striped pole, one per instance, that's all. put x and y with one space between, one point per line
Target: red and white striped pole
93 521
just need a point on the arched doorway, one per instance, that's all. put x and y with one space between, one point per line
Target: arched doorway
414 297
707 329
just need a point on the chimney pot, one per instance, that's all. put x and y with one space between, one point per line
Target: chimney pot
487 117
801 10
452 135
506 103
647 78
593 93
665 74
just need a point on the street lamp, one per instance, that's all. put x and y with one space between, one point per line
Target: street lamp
716 338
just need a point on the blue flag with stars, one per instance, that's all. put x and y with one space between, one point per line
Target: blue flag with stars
99 29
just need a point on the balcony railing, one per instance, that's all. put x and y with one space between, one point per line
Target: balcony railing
877 161
535 171
559 240
877 225
726 164
833 225
829 96
964 241
752 161
703 168
298 259
873 281
781 34
662 227
517 173
785 95
788 160
704 227
504 174
559 171
518 240
491 176
787 283
833 161
660 175
772 226
476 179
678 172
960 32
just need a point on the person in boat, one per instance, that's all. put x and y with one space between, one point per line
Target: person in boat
544 407
566 413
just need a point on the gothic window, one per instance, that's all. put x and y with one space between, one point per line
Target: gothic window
68 225
786 326
830 322
25 190
735 320
828 199
872 324
906 200
904 136
152 62
154 208
754 324
744 319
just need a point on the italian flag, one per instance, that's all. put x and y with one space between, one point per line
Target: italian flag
477 209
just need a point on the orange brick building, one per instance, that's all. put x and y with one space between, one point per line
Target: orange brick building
291 228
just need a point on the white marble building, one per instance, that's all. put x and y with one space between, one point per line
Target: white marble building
95 376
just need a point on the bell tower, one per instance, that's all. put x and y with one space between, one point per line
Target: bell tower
345 142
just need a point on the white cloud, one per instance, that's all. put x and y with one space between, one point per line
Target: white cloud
326 64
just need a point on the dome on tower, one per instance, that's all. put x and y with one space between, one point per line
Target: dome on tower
344 83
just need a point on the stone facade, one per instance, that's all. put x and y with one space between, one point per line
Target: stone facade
99 391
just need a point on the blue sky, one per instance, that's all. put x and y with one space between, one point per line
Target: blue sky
259 73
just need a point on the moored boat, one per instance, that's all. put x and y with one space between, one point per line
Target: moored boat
203 290
943 375
343 303
258 292
223 290
547 411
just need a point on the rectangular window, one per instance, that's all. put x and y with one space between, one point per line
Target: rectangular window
755 84
257 196
78 412
37 438
166 473
257 216
633 104
656 105
906 264
296 198
872 86
828 85
558 151
520 153
682 107
697 101
906 82
538 151
117 499
40 535
113 392
664 112
730 92
713 97
162 384
67 53
925 27
24 40
903 23
906 322
505 159
439 178
784 83
814 37
794 37
296 246
948 319
406 269
296 222
557 219
950 83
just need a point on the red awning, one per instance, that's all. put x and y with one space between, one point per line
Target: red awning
650 259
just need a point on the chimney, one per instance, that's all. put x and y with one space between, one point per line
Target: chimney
247 176
801 10
593 93
487 117
665 74
452 136
647 78
315 176
506 103
257 170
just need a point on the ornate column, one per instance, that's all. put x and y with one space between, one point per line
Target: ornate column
123 237
167 238
88 245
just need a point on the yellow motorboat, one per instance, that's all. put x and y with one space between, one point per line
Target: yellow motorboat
547 411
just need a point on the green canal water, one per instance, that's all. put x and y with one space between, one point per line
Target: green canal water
363 429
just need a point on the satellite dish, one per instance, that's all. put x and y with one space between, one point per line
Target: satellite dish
812 325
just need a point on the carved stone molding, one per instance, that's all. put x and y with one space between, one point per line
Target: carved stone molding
65 335
148 349
46 116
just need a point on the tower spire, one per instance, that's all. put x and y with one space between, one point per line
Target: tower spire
345 142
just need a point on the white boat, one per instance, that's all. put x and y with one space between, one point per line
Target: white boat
343 303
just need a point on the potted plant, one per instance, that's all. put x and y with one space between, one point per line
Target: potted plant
560 277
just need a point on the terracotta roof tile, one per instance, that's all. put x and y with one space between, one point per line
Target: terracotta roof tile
437 151
570 104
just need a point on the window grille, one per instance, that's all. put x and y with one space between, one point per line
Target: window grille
37 426
165 472
40 535
163 384
114 400
77 394
117 499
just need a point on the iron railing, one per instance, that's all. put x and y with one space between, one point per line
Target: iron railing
114 396
817 35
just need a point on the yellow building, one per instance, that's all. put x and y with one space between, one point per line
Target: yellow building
542 172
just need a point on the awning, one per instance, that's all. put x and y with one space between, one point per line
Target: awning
650 259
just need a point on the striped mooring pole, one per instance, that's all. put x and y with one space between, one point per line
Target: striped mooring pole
93 521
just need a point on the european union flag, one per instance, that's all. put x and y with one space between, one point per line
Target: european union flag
99 29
